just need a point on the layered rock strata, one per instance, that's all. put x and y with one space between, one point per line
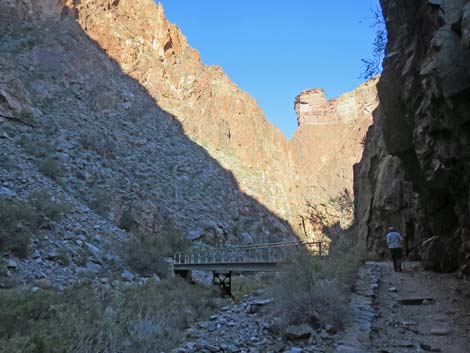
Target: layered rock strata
117 79
330 137
415 170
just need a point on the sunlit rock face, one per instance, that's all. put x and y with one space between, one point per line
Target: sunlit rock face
214 113
415 171
330 137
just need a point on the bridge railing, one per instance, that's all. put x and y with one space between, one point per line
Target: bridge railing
259 253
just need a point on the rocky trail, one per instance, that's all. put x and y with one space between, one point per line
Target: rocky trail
412 311
438 325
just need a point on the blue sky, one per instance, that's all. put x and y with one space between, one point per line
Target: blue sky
275 49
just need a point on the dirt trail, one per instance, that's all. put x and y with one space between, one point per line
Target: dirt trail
442 325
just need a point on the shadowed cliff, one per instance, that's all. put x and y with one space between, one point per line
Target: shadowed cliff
415 169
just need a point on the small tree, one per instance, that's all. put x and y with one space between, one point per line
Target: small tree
372 66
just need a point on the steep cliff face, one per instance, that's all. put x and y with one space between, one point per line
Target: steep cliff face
71 115
213 111
71 80
415 171
330 136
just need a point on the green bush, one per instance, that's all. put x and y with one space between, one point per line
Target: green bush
247 284
315 287
26 117
127 220
47 208
100 204
20 219
145 253
35 148
63 257
51 167
148 318
17 220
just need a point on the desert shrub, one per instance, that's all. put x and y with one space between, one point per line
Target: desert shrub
100 203
335 210
247 284
26 117
314 287
37 149
147 318
145 253
127 220
63 257
42 202
103 145
17 219
51 167
20 219
5 161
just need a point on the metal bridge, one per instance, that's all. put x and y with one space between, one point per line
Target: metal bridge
252 258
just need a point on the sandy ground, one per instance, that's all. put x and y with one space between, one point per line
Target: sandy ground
442 325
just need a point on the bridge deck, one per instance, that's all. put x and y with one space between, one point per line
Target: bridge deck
263 257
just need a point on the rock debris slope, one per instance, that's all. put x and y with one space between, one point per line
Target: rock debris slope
65 102
415 169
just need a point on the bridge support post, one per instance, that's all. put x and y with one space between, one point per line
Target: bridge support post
224 281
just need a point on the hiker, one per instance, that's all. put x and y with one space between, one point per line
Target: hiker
394 243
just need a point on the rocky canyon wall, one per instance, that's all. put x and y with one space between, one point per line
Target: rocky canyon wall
213 111
330 136
71 116
114 76
415 170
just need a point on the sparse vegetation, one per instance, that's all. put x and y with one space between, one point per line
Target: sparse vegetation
26 118
19 220
321 287
146 318
63 257
44 155
51 168
46 207
372 66
4 161
100 202
145 253
103 145
127 220
247 284
336 210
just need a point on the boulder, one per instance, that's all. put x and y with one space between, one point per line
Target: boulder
127 276
440 331
255 305
7 192
93 267
294 350
44 283
95 251
294 332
